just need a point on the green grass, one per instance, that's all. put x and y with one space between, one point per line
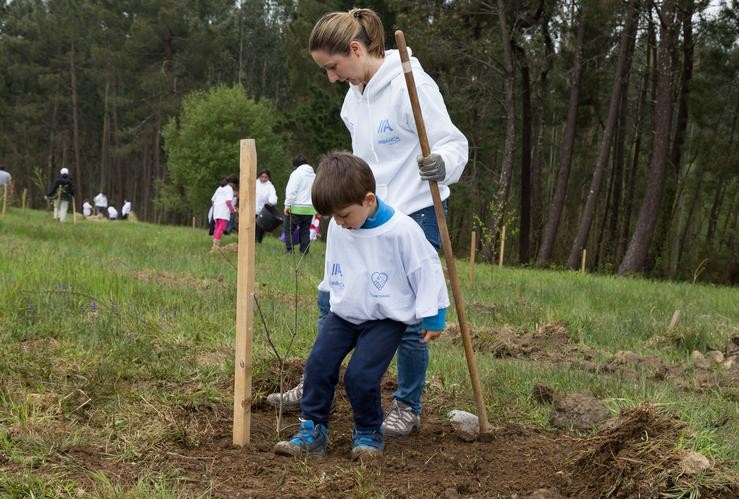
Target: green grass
93 315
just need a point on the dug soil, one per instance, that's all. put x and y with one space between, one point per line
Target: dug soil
514 461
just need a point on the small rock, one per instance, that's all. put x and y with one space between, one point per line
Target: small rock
699 360
729 363
715 357
465 424
694 462
732 348
625 357
582 412
451 492
543 394
544 494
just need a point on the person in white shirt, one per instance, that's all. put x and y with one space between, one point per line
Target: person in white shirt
350 47
61 193
5 177
298 208
265 195
86 208
223 207
112 213
101 204
382 276
126 209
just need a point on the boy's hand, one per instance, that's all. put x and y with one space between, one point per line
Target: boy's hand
430 336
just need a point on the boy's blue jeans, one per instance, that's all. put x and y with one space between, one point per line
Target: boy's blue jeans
413 356
374 344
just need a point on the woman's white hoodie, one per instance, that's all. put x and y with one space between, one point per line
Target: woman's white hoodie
380 120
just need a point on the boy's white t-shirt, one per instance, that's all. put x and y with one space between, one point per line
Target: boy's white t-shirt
220 209
126 208
101 200
86 209
112 213
387 272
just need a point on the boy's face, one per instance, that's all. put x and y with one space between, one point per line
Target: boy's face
352 217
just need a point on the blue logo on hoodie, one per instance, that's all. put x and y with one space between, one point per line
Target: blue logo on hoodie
385 127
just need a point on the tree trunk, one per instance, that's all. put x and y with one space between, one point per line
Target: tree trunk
104 139
636 147
672 176
636 253
565 160
622 73
75 122
500 200
524 237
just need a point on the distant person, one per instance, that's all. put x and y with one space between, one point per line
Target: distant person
5 177
265 195
315 227
86 208
382 275
223 207
126 209
101 204
61 194
112 213
298 208
231 226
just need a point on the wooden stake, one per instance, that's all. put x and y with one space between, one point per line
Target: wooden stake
193 222
446 242
673 322
473 250
74 210
502 248
23 198
245 294
582 261
5 198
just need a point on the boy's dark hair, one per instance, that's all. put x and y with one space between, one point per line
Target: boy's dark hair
269 174
299 160
343 179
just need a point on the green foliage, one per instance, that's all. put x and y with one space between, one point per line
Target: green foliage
203 142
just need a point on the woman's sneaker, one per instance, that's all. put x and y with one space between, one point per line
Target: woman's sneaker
310 441
290 399
367 444
400 421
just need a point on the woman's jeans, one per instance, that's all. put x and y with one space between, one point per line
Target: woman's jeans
413 356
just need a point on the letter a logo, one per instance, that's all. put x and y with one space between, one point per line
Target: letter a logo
385 127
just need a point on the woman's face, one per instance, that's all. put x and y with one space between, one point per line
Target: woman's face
264 178
340 67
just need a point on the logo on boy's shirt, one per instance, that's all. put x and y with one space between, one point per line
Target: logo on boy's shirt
383 128
379 279
336 277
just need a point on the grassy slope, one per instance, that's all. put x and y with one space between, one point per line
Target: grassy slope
93 315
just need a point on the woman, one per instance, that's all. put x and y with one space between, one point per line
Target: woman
350 47
265 195
223 208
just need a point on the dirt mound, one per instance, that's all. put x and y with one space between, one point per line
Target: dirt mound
635 456
550 342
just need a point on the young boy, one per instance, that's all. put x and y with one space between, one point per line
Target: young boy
382 275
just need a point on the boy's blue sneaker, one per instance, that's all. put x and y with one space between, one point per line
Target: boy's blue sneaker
367 444
310 441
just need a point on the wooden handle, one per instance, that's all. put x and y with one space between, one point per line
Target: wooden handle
444 231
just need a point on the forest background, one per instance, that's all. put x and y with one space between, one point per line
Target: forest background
598 125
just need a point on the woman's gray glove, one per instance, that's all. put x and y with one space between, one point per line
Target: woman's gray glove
431 167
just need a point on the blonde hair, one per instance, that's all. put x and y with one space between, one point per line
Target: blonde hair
336 30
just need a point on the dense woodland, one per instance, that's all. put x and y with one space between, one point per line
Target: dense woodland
609 126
